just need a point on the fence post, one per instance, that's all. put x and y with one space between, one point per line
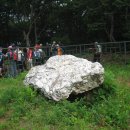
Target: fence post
120 48
125 51
80 49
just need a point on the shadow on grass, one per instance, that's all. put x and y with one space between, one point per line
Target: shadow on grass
103 92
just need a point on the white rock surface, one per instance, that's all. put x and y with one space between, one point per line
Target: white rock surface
63 75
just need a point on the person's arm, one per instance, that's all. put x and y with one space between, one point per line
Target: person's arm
92 49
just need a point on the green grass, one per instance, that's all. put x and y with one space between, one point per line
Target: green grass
21 108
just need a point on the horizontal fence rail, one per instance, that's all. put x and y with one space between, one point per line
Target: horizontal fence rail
118 52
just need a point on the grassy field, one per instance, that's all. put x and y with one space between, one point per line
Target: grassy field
108 108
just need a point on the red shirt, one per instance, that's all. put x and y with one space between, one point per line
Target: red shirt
15 56
29 54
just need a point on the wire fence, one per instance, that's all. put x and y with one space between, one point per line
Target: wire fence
112 52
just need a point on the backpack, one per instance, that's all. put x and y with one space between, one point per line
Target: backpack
29 54
37 54
10 55
15 55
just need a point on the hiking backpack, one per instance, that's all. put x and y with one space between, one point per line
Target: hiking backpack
10 55
1 57
37 54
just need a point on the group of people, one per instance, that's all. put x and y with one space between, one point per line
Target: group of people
17 59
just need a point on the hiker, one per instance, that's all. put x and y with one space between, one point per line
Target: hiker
43 55
20 60
98 51
59 50
54 49
37 45
1 61
37 55
29 58
24 60
12 68
15 56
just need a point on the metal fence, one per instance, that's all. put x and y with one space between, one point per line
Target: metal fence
111 51
117 52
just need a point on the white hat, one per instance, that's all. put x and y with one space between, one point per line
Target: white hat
54 42
57 45
10 47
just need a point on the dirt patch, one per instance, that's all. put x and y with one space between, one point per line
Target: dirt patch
121 80
128 84
2 120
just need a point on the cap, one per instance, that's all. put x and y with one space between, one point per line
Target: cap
54 42
10 47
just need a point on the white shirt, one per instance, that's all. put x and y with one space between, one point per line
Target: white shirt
98 48
20 54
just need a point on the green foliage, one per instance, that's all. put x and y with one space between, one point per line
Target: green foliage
104 108
92 19
63 40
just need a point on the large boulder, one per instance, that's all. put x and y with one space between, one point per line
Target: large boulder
63 75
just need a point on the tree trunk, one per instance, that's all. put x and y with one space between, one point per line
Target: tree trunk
110 30
126 13
112 39
27 35
35 32
26 38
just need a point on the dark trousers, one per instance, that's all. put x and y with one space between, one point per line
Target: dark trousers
20 66
97 57
38 61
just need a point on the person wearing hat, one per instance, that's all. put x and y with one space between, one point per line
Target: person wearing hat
12 68
37 46
29 58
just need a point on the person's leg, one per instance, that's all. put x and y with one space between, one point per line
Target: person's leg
95 58
31 63
98 57
18 66
39 61
21 66
25 65
0 71
8 74
11 68
1 66
15 68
